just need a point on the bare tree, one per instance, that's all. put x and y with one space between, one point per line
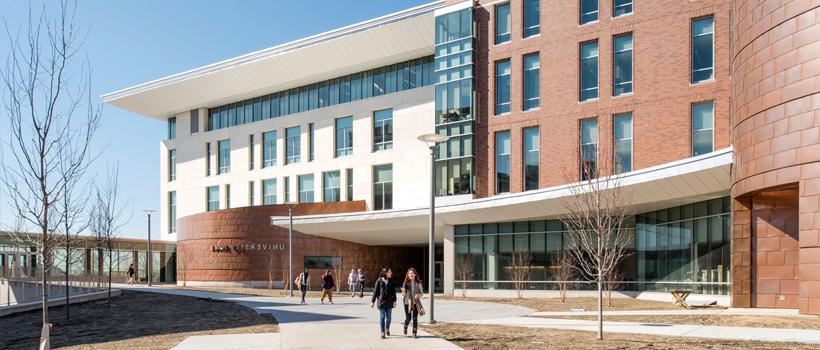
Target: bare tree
271 267
338 264
563 271
283 270
613 282
107 216
596 210
520 262
184 260
464 271
45 95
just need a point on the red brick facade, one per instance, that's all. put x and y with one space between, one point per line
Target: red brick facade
776 138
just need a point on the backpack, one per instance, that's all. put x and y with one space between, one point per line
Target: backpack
324 281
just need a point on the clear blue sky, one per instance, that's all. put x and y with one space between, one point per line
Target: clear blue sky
131 42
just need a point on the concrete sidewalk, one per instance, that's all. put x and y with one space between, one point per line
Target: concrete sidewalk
711 332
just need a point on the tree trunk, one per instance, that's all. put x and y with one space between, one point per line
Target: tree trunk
600 309
67 258
109 274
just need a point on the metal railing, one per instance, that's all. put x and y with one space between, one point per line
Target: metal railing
715 288
26 284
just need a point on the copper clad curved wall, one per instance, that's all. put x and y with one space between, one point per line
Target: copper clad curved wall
253 244
776 138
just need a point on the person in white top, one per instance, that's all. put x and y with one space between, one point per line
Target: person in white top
352 280
413 292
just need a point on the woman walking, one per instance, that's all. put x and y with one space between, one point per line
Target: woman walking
413 291
131 274
385 294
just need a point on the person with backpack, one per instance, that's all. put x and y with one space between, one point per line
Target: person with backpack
303 283
327 286
360 282
384 296
412 290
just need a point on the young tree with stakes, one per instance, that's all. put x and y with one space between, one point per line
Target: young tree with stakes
107 216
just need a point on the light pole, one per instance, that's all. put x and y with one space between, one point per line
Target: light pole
432 141
150 265
291 206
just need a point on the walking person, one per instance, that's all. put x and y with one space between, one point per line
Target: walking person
384 296
412 291
131 274
352 281
303 283
327 286
360 282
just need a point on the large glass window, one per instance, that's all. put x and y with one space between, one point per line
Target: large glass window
703 122
172 212
293 144
502 23
532 17
269 191
212 193
331 184
349 177
306 188
589 70
344 136
382 129
502 87
172 128
621 7
622 130
703 49
622 65
532 155
589 11
224 156
532 77
268 149
502 162
589 149
383 187
172 164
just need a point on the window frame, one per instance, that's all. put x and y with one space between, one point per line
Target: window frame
692 37
502 38
498 156
384 205
631 64
172 211
581 59
581 14
533 29
311 192
508 77
265 195
595 147
383 144
172 164
336 192
223 163
525 152
692 128
615 156
293 144
630 3
525 79
212 203
346 146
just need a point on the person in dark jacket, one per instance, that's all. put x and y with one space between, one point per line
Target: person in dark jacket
131 272
327 286
384 296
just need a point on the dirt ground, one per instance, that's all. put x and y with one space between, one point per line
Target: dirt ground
795 322
500 337
133 321
589 304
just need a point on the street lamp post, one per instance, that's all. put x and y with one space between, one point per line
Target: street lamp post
432 141
291 206
150 265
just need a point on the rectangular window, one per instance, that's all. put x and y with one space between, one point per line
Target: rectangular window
228 196
251 193
622 130
207 159
703 49
622 65
383 187
382 129
224 156
344 136
532 75
349 184
502 162
589 148
172 128
589 11
310 141
621 7
288 198
703 121
172 164
172 212
293 144
532 17
589 70
269 149
194 121
213 198
251 152
502 87
502 23
269 191
331 183
532 157
306 188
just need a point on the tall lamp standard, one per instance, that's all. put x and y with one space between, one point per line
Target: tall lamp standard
432 141
291 206
149 257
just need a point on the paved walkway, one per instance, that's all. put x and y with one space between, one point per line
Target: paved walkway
350 323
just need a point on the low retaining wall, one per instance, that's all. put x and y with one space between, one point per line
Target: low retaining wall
18 292
36 305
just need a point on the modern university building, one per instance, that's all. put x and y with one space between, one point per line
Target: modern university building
709 109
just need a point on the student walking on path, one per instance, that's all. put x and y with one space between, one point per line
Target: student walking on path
384 296
327 286
412 291
131 274
360 282
352 281
303 283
